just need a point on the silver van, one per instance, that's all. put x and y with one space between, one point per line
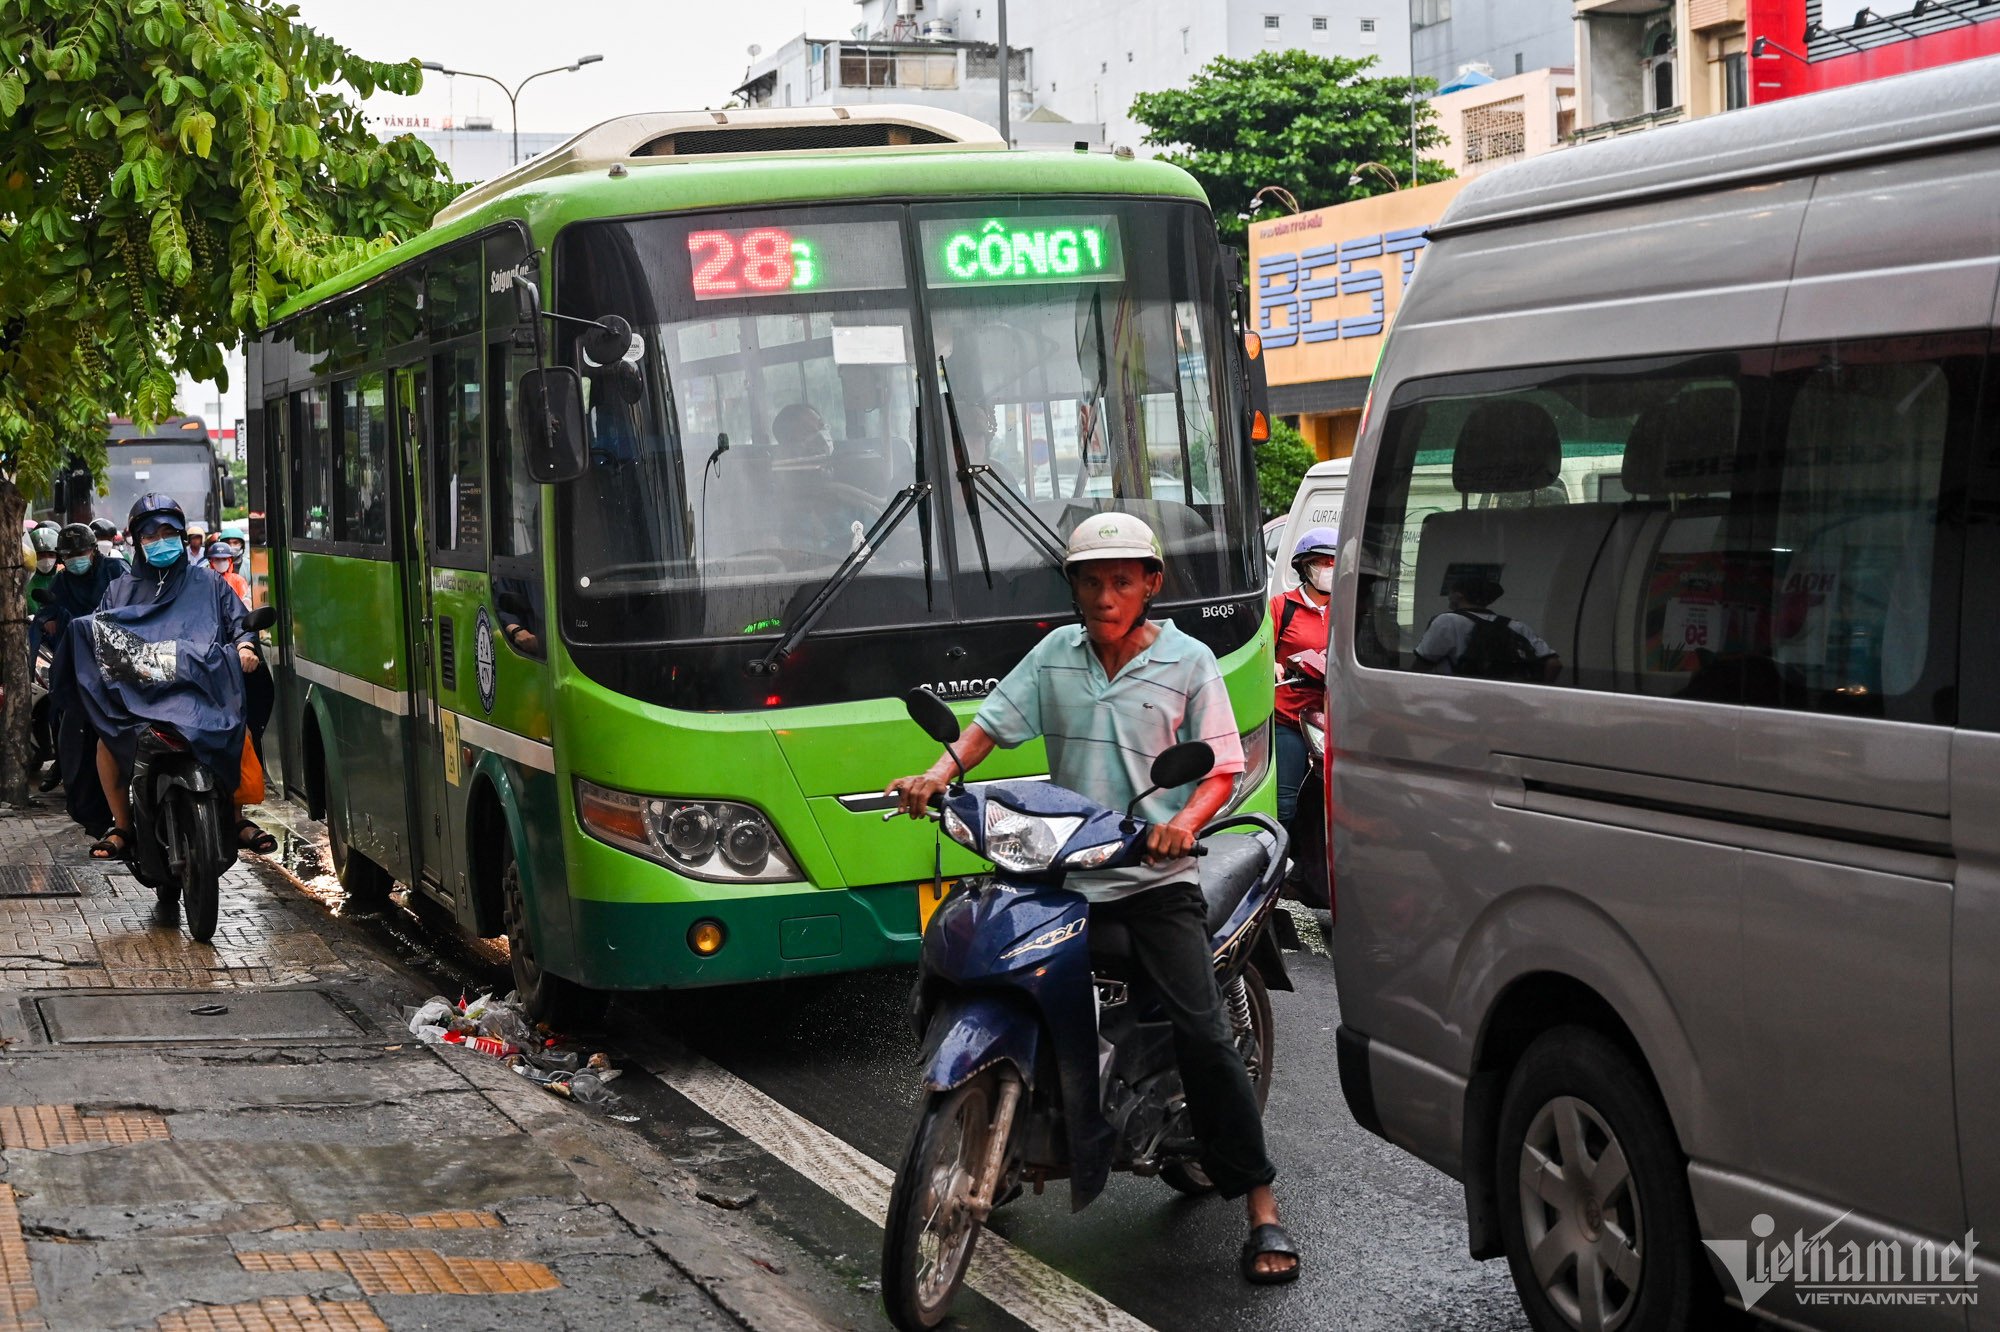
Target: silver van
1665 697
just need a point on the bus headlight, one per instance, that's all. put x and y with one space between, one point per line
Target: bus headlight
1256 765
720 841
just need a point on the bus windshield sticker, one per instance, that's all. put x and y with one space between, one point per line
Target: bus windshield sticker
869 344
1013 252
776 261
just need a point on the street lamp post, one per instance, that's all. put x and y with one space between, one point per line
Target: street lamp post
514 93
1395 181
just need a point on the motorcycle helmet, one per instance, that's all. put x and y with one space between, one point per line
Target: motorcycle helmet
155 505
1317 543
220 550
104 529
73 540
44 539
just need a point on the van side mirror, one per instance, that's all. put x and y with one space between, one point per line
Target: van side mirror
927 710
261 619
554 429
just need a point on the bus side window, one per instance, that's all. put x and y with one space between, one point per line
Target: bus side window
459 468
311 425
517 513
361 463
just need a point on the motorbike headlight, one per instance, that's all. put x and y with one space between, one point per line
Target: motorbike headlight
954 828
720 841
1024 843
1315 736
1091 856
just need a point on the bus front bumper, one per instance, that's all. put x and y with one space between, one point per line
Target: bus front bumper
644 945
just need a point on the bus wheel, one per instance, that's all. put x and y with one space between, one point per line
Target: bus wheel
563 1004
366 883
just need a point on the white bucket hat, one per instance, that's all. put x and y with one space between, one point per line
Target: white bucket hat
1112 536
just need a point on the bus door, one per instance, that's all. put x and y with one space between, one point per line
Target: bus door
429 845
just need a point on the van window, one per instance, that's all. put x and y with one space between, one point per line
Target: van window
1760 529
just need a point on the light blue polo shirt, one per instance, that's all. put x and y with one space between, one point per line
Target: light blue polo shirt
1103 734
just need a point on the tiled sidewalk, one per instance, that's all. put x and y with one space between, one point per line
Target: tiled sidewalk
153 1176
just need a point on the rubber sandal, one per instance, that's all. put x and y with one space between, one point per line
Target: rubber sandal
1269 1239
114 845
262 844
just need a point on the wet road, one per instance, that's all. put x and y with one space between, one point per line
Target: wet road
1383 1234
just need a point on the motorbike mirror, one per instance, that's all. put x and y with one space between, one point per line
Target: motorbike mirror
260 619
1182 764
41 595
929 711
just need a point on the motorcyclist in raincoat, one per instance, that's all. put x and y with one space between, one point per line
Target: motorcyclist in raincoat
167 645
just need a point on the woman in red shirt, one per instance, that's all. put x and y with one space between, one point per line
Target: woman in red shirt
1300 617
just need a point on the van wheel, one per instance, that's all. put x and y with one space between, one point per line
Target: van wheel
366 883
1594 1204
547 997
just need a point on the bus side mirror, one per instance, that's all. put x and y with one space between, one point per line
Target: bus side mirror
228 492
554 429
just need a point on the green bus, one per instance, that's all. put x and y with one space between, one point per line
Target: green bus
844 374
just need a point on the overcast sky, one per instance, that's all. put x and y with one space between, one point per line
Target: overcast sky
659 55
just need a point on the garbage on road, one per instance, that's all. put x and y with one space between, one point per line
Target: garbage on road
498 1027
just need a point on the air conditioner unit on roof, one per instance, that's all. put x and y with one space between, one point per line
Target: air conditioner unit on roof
658 137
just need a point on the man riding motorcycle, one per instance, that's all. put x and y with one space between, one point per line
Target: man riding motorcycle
1300 617
1108 696
166 600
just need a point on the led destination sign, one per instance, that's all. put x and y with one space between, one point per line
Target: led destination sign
998 251
728 265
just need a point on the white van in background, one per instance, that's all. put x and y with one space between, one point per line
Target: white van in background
1317 504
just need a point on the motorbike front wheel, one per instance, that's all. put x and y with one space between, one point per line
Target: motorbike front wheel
932 1224
193 830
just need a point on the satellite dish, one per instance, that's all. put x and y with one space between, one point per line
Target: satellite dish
755 50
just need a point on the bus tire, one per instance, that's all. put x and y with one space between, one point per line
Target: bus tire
366 883
547 997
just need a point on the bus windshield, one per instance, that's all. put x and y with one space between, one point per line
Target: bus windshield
780 391
184 470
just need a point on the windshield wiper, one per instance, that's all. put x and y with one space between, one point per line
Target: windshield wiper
973 478
906 499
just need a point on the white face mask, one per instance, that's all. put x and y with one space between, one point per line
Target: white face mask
104 548
45 564
1322 577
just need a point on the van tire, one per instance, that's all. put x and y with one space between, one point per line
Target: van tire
547 997
1575 1087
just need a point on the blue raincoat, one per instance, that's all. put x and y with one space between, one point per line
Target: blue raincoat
161 648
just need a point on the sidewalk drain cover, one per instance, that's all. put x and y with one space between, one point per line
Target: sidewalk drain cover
37 881
245 1015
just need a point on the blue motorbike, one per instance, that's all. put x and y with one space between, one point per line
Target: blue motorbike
1044 1055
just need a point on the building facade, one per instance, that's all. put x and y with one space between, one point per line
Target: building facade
1075 67
1501 37
1643 63
472 146
1808 46
1491 124
1327 285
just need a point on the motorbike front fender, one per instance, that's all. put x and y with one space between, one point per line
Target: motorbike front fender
971 1031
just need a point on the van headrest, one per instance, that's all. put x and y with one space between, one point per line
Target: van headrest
1684 446
1506 445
